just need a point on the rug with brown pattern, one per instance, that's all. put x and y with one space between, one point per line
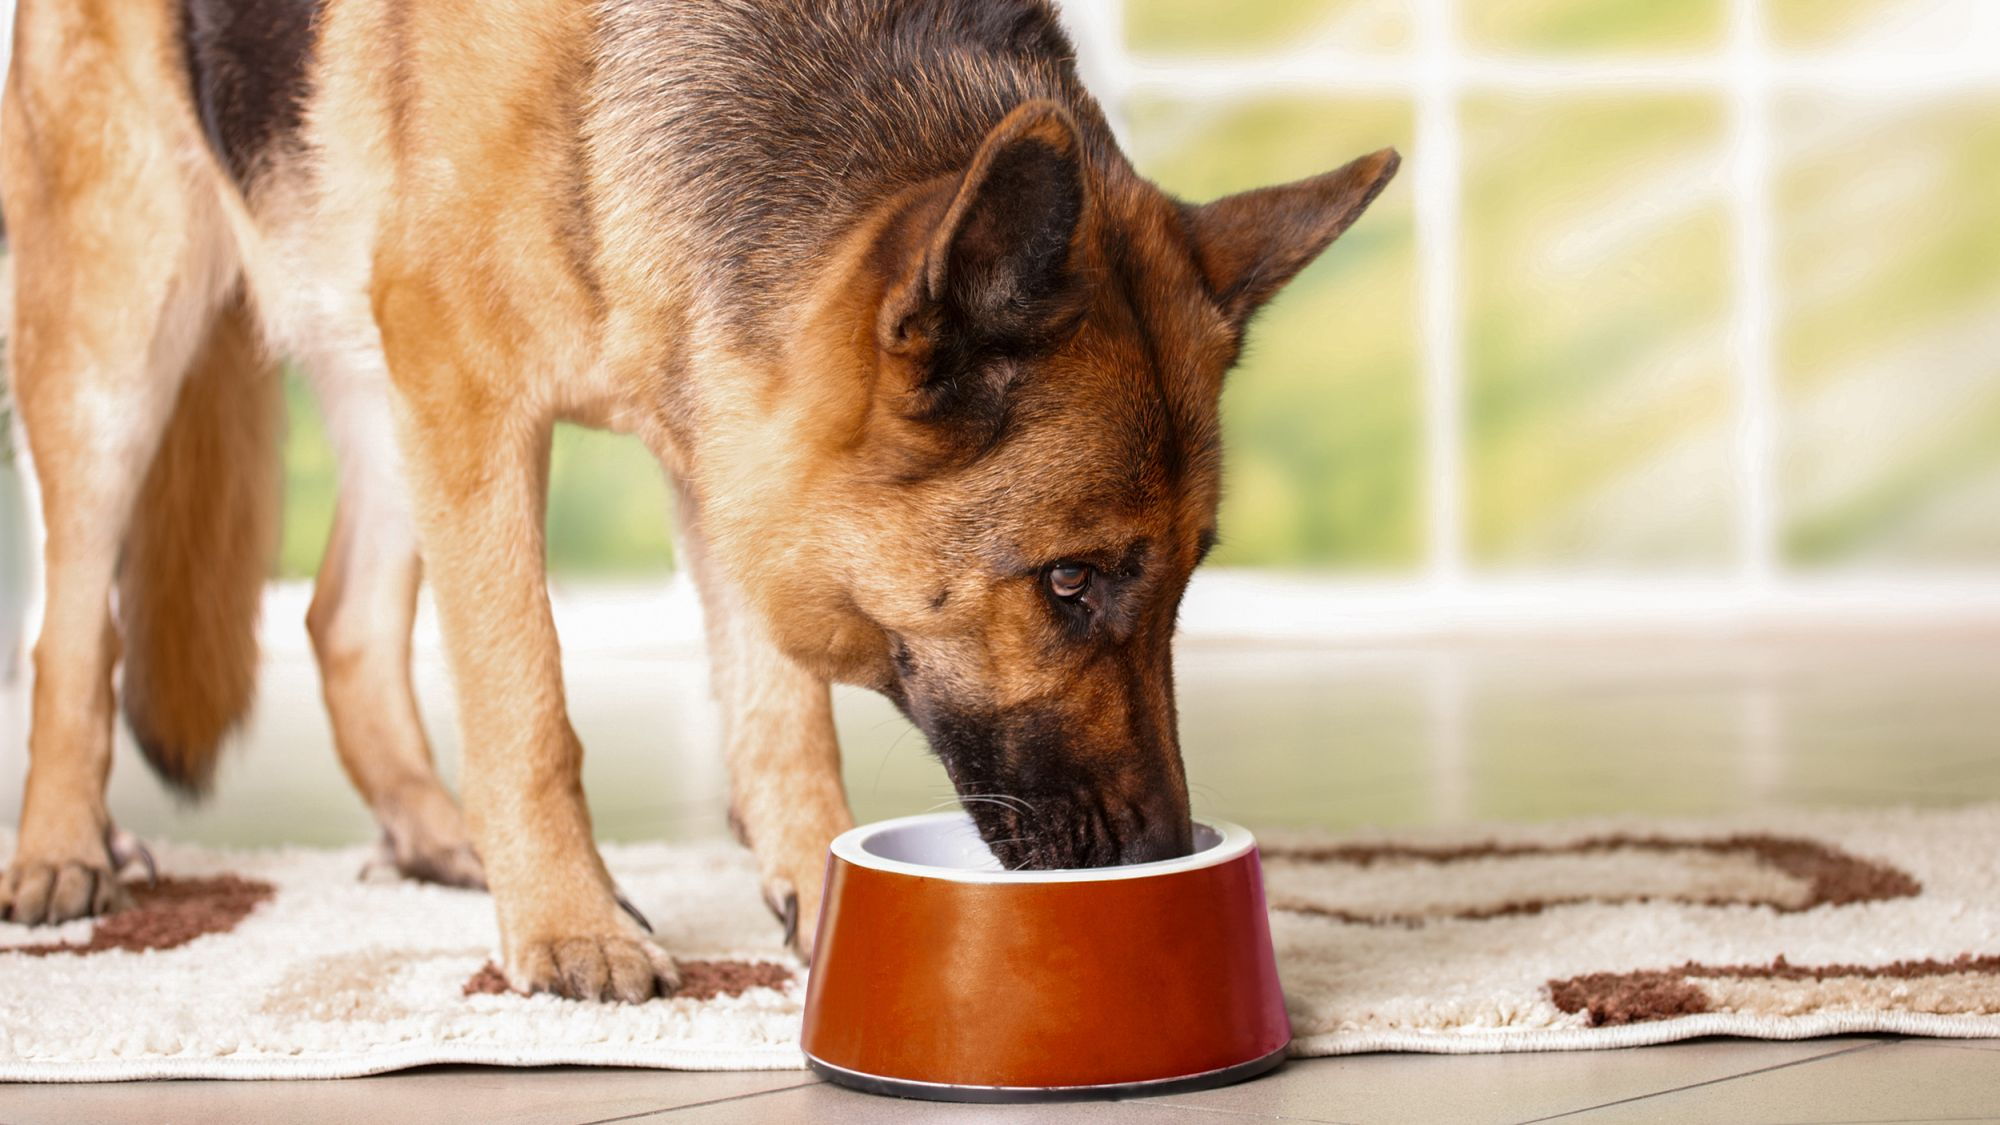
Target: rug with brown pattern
259 964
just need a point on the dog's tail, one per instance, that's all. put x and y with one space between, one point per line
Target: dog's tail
200 544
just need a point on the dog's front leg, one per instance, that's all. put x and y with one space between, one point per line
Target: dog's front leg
478 467
786 799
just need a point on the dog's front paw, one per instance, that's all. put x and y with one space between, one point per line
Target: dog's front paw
36 891
594 967
61 875
792 892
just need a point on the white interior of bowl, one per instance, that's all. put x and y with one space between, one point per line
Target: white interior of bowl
947 846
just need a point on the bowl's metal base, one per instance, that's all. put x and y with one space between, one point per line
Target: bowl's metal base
946 1092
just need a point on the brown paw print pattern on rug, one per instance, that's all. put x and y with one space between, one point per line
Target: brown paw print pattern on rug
174 911
700 980
1964 985
1413 885
1409 886
166 915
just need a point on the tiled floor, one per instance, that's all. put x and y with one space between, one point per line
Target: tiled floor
1387 733
1852 1079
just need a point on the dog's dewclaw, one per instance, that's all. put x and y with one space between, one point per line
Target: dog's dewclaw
625 904
127 849
783 901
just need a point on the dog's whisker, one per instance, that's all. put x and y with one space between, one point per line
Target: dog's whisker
888 753
1205 792
1016 802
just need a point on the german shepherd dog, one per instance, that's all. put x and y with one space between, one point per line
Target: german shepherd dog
934 371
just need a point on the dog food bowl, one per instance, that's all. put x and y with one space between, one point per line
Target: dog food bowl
936 974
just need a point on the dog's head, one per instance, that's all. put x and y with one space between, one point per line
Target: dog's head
996 528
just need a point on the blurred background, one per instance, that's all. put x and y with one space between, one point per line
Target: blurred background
1706 288
1639 451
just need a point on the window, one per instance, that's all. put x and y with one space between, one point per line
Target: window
1693 303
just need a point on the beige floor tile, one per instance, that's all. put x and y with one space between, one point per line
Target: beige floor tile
440 1095
1910 1080
1471 1089
827 1104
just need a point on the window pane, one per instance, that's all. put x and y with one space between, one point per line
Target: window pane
1885 27
310 482
1206 27
1321 418
1597 282
1640 26
1889 254
608 507
608 512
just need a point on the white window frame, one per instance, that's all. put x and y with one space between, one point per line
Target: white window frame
1434 75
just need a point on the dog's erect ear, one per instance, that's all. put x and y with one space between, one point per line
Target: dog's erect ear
1249 245
994 274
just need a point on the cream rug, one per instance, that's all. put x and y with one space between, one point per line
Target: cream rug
280 964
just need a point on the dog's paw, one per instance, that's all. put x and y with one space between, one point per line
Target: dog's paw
450 865
45 884
595 967
795 904
793 871
35 892
424 838
789 830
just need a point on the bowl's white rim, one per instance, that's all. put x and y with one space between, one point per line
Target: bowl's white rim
1235 842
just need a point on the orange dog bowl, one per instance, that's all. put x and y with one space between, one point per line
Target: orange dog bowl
936 974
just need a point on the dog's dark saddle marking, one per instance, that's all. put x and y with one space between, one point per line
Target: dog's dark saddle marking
248 60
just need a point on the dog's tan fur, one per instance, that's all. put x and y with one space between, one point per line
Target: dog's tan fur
888 413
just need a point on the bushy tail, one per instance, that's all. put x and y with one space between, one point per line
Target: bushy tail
197 553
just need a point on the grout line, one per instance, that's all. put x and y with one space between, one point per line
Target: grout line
1711 1082
697 1105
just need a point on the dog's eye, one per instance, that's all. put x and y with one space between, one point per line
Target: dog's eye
1069 580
